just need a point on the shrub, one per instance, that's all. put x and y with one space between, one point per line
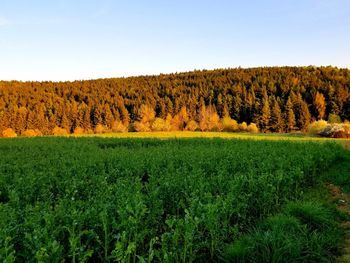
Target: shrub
141 127
229 125
338 130
58 131
9 133
192 126
89 131
326 132
118 126
317 126
79 130
38 132
252 128
31 133
334 118
100 129
243 126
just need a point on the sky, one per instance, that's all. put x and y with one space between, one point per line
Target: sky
87 39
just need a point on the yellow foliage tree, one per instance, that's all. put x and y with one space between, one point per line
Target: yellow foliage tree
209 120
175 123
118 126
147 114
214 122
192 126
320 104
183 118
160 125
146 118
168 120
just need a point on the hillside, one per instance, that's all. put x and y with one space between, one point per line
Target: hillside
277 99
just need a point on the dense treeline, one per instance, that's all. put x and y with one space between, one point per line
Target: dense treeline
277 99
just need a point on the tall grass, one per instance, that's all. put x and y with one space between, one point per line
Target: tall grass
105 199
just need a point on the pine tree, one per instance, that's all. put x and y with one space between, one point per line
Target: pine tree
86 123
41 122
220 104
265 113
108 116
276 121
74 116
290 116
237 104
20 121
203 118
65 122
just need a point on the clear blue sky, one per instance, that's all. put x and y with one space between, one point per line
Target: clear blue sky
85 39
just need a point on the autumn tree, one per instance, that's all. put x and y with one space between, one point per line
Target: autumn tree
320 104
290 116
209 119
147 114
178 122
160 124
192 125
145 118
108 117
118 126
228 124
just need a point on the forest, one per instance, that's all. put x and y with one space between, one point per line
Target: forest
269 99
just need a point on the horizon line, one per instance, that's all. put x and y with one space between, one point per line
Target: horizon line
125 76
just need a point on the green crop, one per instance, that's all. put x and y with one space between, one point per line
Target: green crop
143 200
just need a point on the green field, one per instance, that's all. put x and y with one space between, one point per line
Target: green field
150 200
223 135
191 134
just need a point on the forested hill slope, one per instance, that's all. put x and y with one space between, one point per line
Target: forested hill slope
275 98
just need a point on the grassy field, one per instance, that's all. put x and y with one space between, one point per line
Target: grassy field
224 135
177 200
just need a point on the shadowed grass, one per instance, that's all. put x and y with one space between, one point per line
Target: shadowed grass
303 232
307 230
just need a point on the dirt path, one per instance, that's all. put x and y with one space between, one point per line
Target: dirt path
343 204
